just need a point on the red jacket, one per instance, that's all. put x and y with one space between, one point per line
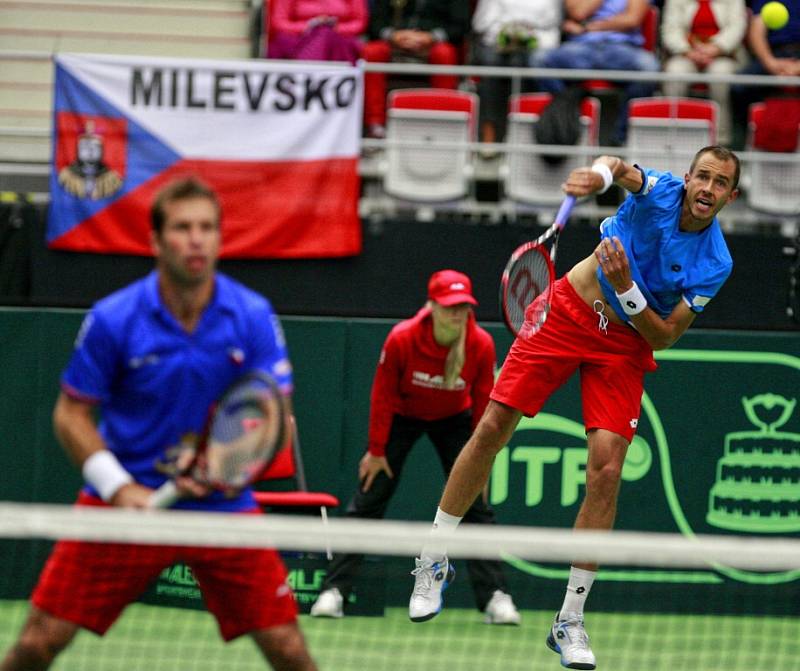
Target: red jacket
408 380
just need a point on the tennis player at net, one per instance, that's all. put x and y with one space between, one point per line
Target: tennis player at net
661 259
433 377
153 357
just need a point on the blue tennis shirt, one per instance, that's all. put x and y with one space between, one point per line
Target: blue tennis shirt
154 382
668 264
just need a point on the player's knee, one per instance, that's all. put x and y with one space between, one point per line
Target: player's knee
603 479
41 640
34 652
286 650
494 430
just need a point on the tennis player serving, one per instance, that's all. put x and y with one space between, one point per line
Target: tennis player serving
660 260
153 358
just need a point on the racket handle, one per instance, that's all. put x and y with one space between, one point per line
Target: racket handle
564 211
164 496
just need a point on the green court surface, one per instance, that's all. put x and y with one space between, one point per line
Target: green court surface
149 638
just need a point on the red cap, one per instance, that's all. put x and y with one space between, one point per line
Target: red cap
450 287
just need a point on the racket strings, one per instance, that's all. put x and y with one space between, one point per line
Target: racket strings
244 434
529 278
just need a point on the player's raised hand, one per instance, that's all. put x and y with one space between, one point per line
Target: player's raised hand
369 467
583 181
611 256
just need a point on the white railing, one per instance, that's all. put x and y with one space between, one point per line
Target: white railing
487 170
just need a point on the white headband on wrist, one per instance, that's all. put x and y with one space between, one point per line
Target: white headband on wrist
632 300
103 471
605 172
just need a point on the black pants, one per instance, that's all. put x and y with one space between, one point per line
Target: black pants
448 436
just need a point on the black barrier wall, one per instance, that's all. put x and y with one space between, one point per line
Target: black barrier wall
388 278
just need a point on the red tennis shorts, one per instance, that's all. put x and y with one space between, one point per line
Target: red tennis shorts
91 583
612 365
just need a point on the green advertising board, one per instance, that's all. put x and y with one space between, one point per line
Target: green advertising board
717 449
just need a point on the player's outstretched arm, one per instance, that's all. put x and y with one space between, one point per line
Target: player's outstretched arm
598 177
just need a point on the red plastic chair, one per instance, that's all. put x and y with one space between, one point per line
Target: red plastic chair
441 100
288 466
526 177
664 133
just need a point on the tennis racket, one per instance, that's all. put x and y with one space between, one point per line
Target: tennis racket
245 430
526 287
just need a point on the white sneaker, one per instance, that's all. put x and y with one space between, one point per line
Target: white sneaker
328 604
431 579
501 609
569 638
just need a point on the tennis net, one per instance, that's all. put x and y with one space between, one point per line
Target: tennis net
661 601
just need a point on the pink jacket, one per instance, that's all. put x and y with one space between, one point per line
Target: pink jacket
292 16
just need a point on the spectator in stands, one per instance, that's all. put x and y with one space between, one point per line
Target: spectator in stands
433 378
506 34
317 30
603 35
776 52
424 31
705 36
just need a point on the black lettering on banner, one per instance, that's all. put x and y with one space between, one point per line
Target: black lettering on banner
284 85
221 88
345 92
254 95
173 98
191 102
314 91
178 87
143 91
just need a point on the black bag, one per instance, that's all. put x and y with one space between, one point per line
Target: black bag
560 122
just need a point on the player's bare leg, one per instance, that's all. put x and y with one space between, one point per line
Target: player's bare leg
474 464
433 572
284 648
43 636
603 472
599 509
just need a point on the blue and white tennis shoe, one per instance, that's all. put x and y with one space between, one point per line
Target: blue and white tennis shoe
430 580
569 638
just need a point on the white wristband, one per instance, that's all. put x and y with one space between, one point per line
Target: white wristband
632 300
605 172
103 471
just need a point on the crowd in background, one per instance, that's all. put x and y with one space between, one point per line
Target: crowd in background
712 36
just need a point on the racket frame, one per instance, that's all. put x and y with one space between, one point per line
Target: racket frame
538 245
168 493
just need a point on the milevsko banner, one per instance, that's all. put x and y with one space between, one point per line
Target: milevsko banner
279 142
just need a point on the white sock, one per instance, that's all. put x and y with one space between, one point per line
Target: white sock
580 582
444 526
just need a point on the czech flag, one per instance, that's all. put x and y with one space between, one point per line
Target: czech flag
277 140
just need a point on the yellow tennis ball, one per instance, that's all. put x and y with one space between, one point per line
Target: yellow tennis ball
774 15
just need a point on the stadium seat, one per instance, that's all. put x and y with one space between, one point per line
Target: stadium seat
527 177
425 173
288 467
772 186
664 133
